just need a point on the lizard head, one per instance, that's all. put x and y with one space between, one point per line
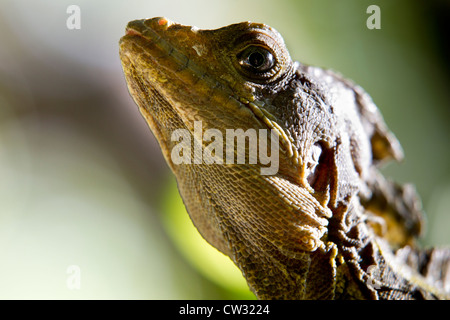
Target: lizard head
206 82
186 69
226 78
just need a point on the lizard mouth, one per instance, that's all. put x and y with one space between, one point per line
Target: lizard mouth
132 32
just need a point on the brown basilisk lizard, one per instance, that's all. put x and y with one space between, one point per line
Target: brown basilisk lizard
326 224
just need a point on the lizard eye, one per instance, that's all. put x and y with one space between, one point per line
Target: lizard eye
256 59
257 62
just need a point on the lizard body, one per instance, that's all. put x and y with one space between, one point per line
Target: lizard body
327 224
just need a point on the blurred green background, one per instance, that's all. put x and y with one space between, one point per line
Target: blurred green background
82 180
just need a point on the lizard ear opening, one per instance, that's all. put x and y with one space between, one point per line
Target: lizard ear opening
320 169
312 163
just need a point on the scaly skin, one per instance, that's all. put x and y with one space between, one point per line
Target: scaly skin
327 225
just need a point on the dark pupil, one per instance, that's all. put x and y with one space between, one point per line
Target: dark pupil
256 59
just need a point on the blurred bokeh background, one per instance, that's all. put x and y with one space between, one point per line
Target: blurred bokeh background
82 180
